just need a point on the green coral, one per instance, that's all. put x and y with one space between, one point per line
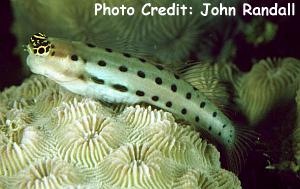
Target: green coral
269 84
260 31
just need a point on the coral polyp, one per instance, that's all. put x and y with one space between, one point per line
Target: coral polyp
50 173
266 78
72 110
192 178
138 165
143 117
20 144
88 140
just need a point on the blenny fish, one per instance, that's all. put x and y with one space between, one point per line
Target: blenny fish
116 77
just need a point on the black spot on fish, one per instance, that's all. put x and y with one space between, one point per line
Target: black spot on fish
97 80
101 63
47 49
224 125
202 104
158 80
214 114
173 87
52 46
108 50
197 118
159 67
127 55
120 88
41 50
219 133
140 93
209 128
141 74
183 111
74 57
188 95
53 53
91 45
155 98
195 88
169 104
176 76
142 60
34 51
123 69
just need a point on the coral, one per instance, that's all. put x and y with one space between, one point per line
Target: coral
20 143
51 138
257 88
3 182
136 165
50 173
260 31
216 81
217 44
174 141
289 159
89 139
192 178
296 133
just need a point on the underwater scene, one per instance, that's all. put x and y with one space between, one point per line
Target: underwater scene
145 94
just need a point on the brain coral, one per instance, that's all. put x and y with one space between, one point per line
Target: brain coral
50 138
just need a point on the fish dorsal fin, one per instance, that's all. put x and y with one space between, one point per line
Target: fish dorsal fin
205 78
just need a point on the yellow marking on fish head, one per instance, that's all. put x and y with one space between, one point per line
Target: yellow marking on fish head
39 44
54 58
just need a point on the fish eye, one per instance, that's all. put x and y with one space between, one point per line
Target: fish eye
39 44
41 50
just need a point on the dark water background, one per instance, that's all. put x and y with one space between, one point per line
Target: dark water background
285 44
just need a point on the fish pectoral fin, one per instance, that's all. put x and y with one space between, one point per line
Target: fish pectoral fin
204 77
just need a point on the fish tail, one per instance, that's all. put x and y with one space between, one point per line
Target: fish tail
238 151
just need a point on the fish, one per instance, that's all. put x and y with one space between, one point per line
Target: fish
116 77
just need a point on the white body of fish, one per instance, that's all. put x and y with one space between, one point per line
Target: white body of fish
121 78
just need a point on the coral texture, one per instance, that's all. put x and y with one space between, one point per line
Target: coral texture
296 134
269 84
50 138
216 81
